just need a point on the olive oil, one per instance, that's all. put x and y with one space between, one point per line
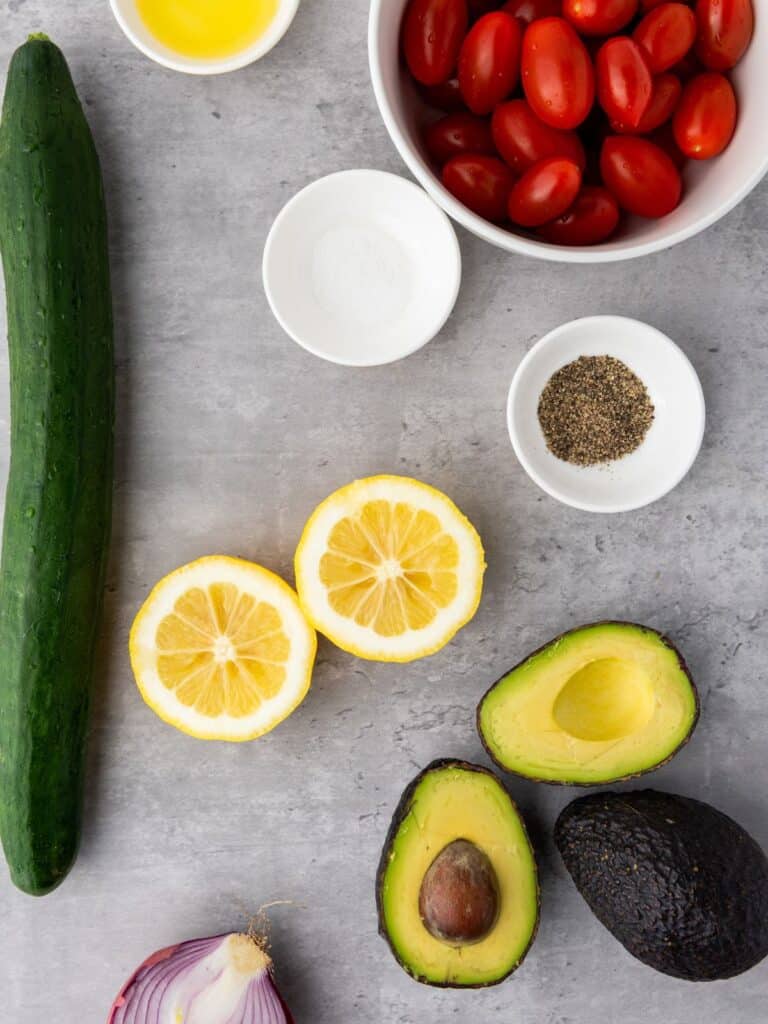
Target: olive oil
207 29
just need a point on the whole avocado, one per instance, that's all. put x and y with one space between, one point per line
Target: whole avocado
678 883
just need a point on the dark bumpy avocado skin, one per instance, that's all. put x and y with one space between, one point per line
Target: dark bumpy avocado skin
680 885
401 812
625 778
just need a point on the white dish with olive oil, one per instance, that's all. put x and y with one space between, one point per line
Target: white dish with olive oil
204 37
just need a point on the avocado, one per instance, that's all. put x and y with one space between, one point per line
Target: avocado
601 703
457 888
680 885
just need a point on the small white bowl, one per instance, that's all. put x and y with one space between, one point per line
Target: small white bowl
131 23
712 187
362 268
670 446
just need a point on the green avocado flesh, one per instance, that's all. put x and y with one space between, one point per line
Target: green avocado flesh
598 704
680 885
457 849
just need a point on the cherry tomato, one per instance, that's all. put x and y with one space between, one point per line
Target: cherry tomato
664 138
445 96
599 17
724 32
532 10
641 176
689 66
558 77
482 183
648 5
666 34
477 8
433 31
664 99
458 133
489 62
624 83
544 192
706 117
592 218
522 139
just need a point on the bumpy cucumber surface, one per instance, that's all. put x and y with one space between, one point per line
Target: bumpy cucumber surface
53 240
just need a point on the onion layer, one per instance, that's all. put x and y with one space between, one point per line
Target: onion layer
226 979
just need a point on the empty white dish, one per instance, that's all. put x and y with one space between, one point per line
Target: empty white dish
362 268
671 444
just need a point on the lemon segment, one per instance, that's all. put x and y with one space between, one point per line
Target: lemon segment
389 569
221 649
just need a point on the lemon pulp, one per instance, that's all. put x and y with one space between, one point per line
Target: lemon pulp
389 569
207 28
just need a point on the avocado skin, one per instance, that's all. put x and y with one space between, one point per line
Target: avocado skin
624 778
678 883
401 813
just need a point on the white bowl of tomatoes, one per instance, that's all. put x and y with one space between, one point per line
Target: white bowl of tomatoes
576 130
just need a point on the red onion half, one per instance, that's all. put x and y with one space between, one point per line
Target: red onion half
226 979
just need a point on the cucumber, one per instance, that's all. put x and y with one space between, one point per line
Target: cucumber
53 240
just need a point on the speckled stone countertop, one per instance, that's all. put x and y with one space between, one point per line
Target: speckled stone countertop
228 435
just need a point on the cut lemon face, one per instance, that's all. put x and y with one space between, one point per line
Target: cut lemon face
389 569
222 650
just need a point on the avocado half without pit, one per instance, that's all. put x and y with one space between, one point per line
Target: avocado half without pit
457 888
682 886
601 703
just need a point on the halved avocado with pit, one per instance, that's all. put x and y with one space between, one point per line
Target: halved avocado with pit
457 889
604 702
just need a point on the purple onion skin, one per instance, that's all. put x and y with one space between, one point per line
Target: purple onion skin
133 1004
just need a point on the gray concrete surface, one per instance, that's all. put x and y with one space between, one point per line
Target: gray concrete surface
229 434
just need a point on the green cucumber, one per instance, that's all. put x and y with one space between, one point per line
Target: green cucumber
53 240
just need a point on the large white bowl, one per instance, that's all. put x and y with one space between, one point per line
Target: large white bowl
712 188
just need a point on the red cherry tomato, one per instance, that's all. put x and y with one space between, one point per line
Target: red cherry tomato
458 133
477 8
481 183
489 62
445 96
689 66
724 31
599 17
544 192
433 31
706 117
664 138
522 139
666 34
558 77
664 99
641 176
648 5
624 83
592 218
532 10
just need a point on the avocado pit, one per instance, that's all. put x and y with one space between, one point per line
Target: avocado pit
459 895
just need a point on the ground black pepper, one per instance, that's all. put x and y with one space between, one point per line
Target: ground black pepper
594 410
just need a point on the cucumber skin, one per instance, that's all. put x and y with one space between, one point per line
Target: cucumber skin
53 239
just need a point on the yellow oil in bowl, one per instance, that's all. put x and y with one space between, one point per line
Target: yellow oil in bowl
207 29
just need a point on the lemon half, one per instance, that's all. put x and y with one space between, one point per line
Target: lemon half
221 649
389 569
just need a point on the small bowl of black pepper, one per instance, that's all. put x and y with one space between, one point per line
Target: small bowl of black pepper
606 414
